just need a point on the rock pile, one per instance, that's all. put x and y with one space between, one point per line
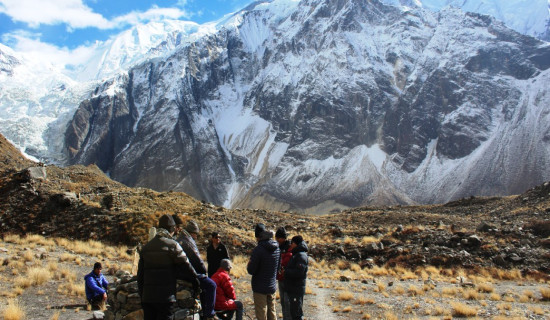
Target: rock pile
125 303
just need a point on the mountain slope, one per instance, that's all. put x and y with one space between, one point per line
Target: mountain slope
530 18
323 105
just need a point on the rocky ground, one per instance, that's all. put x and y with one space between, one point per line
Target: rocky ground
504 239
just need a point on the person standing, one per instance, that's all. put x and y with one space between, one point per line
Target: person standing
295 277
96 287
225 292
161 262
284 247
208 287
215 253
263 266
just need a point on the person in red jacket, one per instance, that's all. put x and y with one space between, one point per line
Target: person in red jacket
225 292
286 254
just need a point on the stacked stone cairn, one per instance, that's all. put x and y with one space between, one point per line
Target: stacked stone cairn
125 303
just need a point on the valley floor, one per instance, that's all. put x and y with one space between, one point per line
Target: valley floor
45 277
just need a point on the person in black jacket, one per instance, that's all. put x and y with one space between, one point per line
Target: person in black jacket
161 262
215 253
263 266
295 276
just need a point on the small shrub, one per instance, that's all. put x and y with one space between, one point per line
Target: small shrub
39 275
485 287
463 310
495 297
364 301
545 292
471 294
13 311
345 296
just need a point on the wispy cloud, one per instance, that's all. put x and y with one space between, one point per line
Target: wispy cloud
36 12
153 14
32 47
75 14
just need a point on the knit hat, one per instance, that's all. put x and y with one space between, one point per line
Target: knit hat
281 233
177 219
225 264
166 222
192 227
297 239
260 227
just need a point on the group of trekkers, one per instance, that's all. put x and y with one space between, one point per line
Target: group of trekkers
173 254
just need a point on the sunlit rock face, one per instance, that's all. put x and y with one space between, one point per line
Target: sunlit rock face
321 105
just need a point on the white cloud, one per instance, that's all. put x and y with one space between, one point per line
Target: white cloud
31 47
153 14
35 12
77 15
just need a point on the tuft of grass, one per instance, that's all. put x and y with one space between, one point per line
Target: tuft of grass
39 275
471 294
415 291
389 315
545 292
345 296
364 301
13 311
463 310
485 287
55 316
537 310
399 290
495 297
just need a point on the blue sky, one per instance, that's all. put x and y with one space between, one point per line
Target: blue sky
72 24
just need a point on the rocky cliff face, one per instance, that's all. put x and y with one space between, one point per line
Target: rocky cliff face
322 105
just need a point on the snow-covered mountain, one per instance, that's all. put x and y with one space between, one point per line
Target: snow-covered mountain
528 17
38 99
320 105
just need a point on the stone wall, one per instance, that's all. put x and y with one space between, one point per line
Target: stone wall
125 303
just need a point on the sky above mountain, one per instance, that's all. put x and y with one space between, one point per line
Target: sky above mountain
71 26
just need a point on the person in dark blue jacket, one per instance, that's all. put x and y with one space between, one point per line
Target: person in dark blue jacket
263 266
295 276
96 287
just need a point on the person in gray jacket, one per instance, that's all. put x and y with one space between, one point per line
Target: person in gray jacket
161 262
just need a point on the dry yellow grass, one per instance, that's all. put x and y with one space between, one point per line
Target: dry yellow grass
364 301
345 296
537 310
485 287
545 292
56 316
398 290
471 294
389 315
39 275
495 297
415 291
13 311
463 310
71 289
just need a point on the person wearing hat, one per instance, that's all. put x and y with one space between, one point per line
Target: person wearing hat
284 247
96 287
162 261
208 287
263 266
215 253
295 277
225 291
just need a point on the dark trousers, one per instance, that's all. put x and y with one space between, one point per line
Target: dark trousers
228 315
157 311
295 305
208 296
